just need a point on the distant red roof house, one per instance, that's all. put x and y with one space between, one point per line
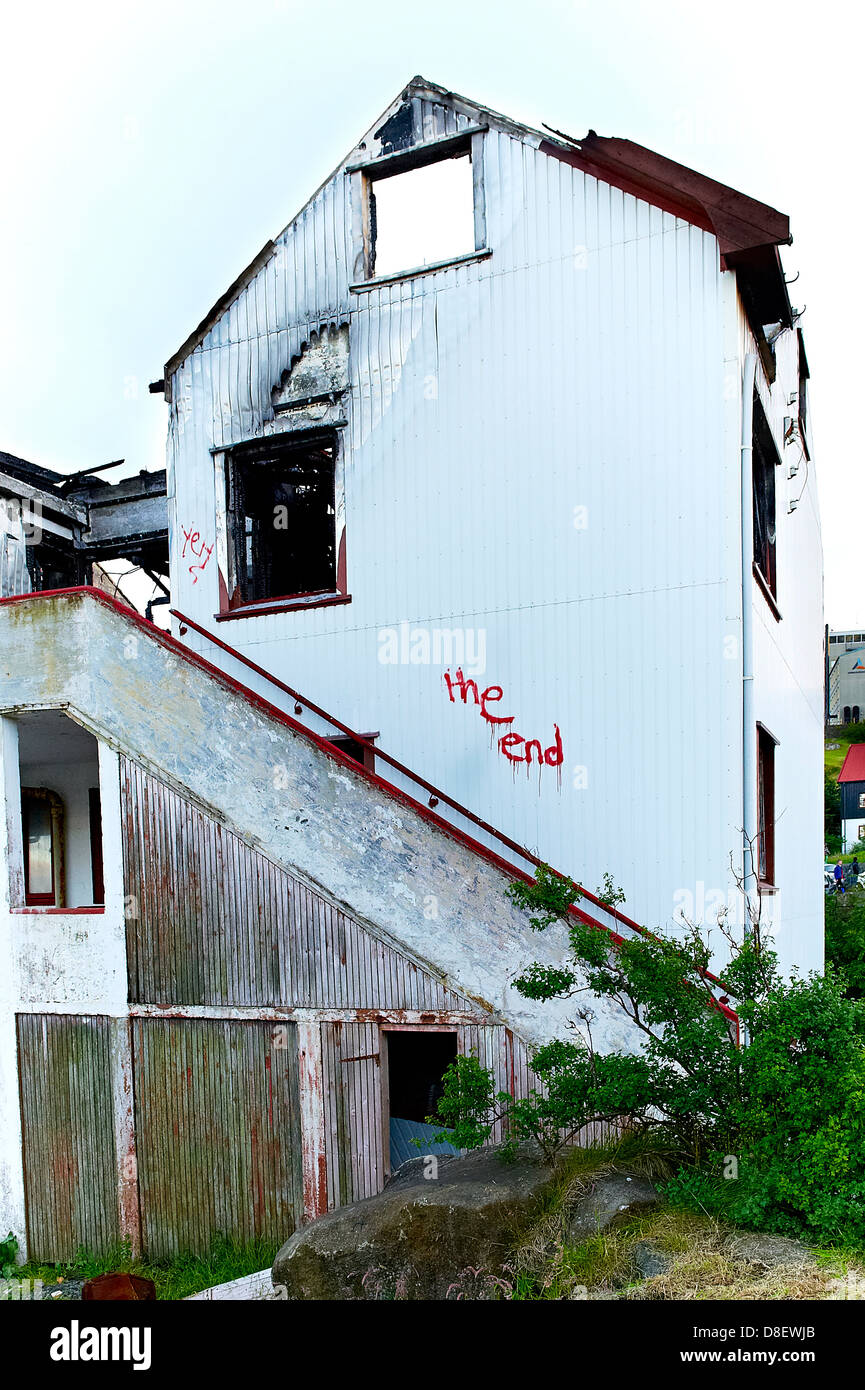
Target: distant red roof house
854 764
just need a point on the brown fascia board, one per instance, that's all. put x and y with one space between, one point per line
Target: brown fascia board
740 223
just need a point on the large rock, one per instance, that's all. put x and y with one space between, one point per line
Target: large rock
611 1199
422 1237
772 1252
649 1261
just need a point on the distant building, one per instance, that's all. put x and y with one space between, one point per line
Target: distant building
845 667
851 780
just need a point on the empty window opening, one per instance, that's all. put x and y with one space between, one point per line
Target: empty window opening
421 216
282 519
855 714
846 714
416 1063
359 751
764 462
61 820
765 807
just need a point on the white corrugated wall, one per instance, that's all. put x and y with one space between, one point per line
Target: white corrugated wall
580 366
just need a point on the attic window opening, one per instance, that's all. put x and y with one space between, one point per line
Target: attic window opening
282 520
421 215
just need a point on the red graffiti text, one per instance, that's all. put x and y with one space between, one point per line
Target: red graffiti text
194 542
511 745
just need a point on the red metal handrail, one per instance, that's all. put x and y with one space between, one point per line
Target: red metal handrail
434 792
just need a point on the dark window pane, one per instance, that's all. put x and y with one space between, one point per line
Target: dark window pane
285 522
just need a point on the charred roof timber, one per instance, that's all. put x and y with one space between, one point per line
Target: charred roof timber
66 522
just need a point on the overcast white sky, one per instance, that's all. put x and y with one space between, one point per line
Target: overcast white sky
148 150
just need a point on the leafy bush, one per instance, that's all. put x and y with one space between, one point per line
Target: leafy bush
8 1251
790 1106
831 810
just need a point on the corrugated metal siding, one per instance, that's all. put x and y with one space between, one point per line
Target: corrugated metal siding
217 1119
214 922
582 365
70 1161
354 1123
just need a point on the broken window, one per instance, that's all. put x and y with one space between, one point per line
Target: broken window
422 215
282 518
765 807
763 463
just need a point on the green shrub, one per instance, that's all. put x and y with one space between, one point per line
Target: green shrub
789 1107
831 811
8 1252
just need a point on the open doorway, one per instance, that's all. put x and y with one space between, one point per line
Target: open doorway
417 1059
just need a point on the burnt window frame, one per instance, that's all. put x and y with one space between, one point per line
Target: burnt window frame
236 601
365 173
766 782
765 459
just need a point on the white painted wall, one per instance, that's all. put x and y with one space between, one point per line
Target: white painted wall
53 962
850 832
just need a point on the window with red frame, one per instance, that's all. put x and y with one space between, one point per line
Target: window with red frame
765 808
42 826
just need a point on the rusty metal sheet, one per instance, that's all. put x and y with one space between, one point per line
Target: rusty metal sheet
354 1126
218 1132
212 921
70 1163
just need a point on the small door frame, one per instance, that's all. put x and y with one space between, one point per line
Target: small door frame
385 1028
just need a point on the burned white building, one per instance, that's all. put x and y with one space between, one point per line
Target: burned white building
424 475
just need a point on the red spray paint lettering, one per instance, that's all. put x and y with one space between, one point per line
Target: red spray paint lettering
509 742
194 541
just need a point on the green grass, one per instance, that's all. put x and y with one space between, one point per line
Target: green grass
834 757
179 1277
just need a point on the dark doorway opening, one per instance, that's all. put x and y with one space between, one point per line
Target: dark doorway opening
416 1063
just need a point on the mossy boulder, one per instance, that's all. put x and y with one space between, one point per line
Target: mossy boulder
423 1237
